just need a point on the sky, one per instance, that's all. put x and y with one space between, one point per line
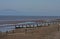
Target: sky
30 7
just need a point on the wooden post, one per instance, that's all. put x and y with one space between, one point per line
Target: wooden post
15 26
26 25
58 27
6 32
29 25
33 25
22 25
13 31
25 31
18 26
37 25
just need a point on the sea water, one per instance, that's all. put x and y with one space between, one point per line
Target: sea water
12 18
6 28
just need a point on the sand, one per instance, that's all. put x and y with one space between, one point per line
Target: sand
47 32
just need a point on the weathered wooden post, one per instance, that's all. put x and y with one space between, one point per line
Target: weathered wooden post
29 26
19 26
22 25
58 27
37 25
6 32
25 30
26 25
33 25
15 26
13 31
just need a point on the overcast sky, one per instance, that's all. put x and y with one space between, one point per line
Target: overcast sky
30 7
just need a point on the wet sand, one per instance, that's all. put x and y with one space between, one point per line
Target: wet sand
48 32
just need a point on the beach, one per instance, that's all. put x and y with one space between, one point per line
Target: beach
47 32
48 29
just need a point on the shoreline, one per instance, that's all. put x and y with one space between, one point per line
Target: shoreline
32 33
18 21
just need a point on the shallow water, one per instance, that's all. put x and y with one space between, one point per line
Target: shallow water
12 18
7 28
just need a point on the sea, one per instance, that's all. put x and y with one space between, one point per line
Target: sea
12 18
27 17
